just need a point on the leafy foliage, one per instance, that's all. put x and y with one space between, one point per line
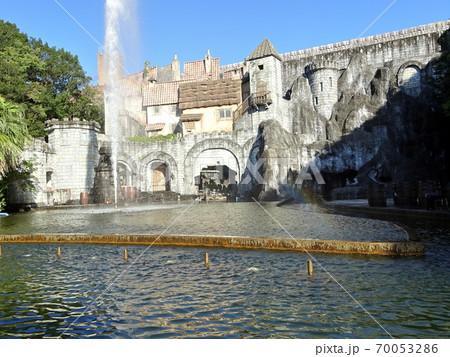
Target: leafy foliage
22 176
13 135
152 139
45 81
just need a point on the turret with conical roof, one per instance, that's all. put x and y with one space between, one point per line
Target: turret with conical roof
265 76
265 49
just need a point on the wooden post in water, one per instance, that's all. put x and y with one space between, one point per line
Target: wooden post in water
310 268
58 253
125 254
207 260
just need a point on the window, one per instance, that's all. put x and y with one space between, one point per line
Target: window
156 111
331 81
48 177
225 113
317 100
189 125
321 86
260 67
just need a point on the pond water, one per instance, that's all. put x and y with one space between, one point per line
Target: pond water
167 292
221 219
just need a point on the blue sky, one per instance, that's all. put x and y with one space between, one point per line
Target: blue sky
229 29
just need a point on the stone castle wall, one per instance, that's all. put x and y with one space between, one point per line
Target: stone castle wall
318 95
182 156
76 155
392 50
64 166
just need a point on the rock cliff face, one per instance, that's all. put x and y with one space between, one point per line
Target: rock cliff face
383 132
383 128
274 163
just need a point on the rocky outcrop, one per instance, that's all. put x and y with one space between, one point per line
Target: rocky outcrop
383 128
275 162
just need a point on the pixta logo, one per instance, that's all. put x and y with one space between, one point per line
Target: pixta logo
305 175
281 166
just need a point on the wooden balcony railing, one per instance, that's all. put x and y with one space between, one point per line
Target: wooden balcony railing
261 98
242 108
255 99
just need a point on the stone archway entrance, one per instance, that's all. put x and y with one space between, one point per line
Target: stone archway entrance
221 160
215 171
158 176
158 172
124 174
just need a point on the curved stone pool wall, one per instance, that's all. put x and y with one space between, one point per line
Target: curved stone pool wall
306 245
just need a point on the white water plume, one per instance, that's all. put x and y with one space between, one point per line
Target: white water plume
117 17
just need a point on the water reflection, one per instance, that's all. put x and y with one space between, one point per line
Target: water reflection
243 219
40 295
168 292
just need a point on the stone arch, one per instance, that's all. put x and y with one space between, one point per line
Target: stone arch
409 78
125 174
153 161
128 169
128 160
210 144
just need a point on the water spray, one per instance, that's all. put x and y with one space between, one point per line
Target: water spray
113 63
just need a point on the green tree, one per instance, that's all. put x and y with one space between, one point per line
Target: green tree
45 81
13 137
22 176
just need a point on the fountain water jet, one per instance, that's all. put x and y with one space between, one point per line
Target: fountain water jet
115 13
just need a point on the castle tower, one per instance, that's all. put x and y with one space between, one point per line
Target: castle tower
265 76
102 67
323 78
76 154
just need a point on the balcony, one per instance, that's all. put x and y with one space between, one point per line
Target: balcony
255 100
261 98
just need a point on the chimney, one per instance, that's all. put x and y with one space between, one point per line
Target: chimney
208 63
101 70
176 68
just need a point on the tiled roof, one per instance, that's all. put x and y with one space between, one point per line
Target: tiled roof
191 117
161 93
265 49
196 70
154 127
209 93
